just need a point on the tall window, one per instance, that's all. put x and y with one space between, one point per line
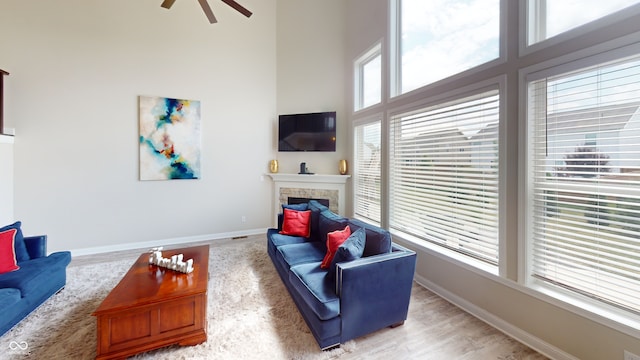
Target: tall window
444 175
440 38
367 172
368 70
584 179
548 18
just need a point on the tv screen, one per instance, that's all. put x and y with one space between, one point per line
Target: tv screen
307 132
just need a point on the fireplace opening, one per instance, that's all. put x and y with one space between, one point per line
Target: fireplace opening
300 200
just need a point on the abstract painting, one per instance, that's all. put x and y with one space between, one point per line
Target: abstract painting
169 138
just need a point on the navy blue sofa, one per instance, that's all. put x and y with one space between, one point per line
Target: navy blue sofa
39 277
365 294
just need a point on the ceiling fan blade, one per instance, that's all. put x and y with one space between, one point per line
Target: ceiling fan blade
167 4
241 9
207 11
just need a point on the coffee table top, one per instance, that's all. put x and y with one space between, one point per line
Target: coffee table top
147 284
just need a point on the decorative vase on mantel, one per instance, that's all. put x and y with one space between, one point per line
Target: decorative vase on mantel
273 166
342 167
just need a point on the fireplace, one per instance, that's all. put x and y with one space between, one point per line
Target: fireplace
301 200
329 188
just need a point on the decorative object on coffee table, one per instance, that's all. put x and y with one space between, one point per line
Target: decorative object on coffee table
152 308
173 263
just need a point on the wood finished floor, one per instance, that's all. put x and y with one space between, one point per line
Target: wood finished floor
435 329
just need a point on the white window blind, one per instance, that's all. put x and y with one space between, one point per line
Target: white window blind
367 172
585 182
444 175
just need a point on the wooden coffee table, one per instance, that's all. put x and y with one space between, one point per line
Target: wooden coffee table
152 307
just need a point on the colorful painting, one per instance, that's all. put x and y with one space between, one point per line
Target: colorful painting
169 138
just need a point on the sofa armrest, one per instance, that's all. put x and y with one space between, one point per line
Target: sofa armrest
374 291
36 246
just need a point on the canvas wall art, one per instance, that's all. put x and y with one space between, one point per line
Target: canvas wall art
169 138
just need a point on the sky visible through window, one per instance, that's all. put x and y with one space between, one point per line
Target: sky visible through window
563 15
441 38
372 86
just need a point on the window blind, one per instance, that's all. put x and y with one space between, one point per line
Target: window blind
444 175
585 176
367 172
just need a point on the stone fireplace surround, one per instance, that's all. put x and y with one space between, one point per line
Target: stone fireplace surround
313 186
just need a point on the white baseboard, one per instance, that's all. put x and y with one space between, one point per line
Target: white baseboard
509 329
164 242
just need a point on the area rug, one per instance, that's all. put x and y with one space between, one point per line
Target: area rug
250 313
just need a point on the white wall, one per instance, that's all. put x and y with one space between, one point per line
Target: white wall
77 68
311 74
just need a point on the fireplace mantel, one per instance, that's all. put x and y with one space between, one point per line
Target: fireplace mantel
309 186
311 178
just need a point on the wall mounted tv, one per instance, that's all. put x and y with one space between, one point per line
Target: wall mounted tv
307 132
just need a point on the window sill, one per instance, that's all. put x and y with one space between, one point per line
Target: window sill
614 318
466 262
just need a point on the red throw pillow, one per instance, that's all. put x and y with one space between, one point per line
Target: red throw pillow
334 240
296 223
8 260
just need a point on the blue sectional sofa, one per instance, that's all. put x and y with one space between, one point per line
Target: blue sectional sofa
352 298
39 277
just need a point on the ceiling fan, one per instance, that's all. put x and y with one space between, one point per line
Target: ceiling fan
207 10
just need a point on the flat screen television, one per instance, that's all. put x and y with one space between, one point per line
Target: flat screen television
307 132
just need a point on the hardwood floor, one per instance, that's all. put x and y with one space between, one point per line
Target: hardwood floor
435 329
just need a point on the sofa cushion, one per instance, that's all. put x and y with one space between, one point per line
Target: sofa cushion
34 273
311 283
297 207
278 239
294 254
378 239
316 208
316 205
20 247
328 222
8 260
296 223
334 240
9 297
350 250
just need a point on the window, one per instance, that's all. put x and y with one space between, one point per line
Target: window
584 181
439 38
444 175
368 70
548 18
367 172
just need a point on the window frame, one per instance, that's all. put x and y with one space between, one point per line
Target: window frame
375 118
598 311
359 78
395 54
526 6
497 83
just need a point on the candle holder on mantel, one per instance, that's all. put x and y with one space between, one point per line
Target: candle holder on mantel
343 168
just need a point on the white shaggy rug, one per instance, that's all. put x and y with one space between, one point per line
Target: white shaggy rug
250 314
